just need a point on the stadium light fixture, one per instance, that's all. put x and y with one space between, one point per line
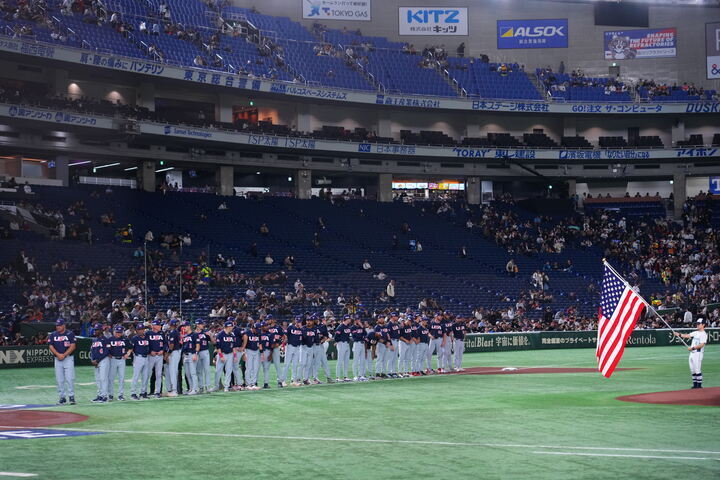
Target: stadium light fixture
78 163
289 179
257 173
131 168
164 169
107 165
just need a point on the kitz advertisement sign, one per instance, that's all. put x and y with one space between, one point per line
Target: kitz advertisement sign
433 21
513 34
337 9
630 44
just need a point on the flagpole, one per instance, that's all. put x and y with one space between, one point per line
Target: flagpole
650 307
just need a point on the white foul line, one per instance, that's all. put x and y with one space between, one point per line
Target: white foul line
377 440
626 456
17 474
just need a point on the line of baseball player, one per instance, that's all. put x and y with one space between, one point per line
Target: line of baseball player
399 347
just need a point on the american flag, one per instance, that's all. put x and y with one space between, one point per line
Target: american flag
620 308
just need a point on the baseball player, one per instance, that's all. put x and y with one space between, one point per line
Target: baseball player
322 340
308 350
203 363
276 341
447 344
370 350
436 340
459 328
423 346
265 359
415 345
141 373
384 349
174 346
156 338
99 356
120 350
358 334
391 356
190 349
238 373
62 346
252 348
226 348
697 348
293 348
405 340
342 342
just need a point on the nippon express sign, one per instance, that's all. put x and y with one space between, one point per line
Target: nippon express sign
532 34
336 9
433 21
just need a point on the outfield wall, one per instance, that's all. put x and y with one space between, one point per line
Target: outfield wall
40 356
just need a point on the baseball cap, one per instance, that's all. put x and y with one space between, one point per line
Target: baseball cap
156 322
140 326
394 314
701 320
298 318
257 325
119 328
268 316
200 321
263 324
97 326
173 322
60 321
229 323
185 324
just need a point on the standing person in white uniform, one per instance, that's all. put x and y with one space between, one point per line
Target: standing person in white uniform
697 347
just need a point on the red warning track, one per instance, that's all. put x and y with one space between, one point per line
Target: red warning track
38 418
698 396
527 370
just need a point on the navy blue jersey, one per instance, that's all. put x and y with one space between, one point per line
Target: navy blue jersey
99 349
265 340
406 333
309 335
394 330
447 326
277 335
384 332
459 330
203 340
294 335
436 330
371 338
323 333
415 328
424 334
358 333
253 340
173 339
140 345
118 346
189 343
342 333
225 342
157 342
61 341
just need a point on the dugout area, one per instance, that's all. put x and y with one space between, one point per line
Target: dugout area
543 425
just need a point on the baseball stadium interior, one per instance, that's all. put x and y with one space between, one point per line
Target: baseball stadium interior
360 207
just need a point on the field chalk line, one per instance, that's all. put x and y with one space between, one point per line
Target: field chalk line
624 456
374 440
17 474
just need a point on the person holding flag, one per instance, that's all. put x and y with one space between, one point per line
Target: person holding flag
697 347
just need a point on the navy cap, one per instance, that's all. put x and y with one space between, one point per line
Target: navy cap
97 326
229 323
185 324
298 318
200 321
156 322
173 322
140 326
268 316
393 314
59 321
119 328
257 325
263 324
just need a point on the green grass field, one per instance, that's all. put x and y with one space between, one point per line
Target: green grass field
482 426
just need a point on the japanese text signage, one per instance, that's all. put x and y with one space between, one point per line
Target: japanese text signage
712 49
433 21
631 44
532 33
336 9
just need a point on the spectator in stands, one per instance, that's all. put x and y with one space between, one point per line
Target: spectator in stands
366 265
268 259
264 230
390 291
461 50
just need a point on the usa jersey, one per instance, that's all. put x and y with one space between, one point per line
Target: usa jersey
225 342
253 340
157 341
265 339
394 330
118 346
189 343
294 336
459 331
342 333
406 333
358 333
173 337
436 330
202 339
308 336
140 345
61 341
99 349
277 334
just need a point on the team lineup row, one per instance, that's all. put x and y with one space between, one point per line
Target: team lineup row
399 346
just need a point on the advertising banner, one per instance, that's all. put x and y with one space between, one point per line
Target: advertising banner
712 49
714 185
532 33
433 21
336 9
648 43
